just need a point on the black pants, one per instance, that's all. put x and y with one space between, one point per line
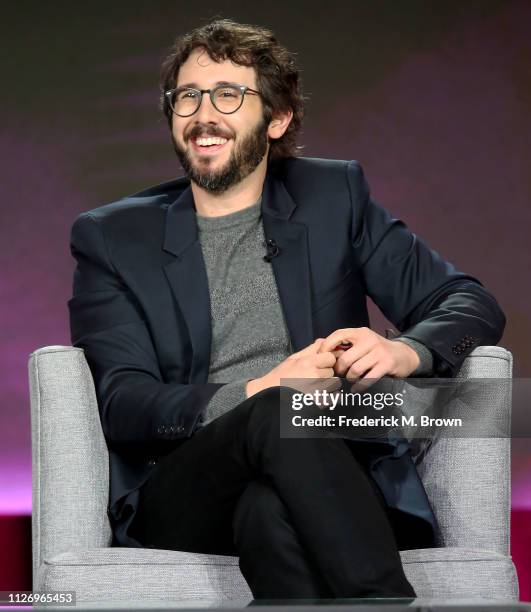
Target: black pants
302 514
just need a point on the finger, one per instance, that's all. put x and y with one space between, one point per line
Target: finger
349 358
304 385
324 360
337 354
311 349
361 366
326 372
328 382
310 385
327 387
316 382
371 377
341 335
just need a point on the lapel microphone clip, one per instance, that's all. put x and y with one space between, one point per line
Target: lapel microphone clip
272 250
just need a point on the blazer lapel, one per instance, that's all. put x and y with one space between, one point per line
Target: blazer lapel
291 267
188 280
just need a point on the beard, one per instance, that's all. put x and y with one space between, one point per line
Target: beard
244 159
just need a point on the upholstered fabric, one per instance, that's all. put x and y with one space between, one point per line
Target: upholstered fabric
139 573
70 460
467 481
125 573
459 573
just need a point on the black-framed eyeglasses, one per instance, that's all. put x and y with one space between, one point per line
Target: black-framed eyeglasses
227 99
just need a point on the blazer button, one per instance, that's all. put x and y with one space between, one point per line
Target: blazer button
180 429
152 462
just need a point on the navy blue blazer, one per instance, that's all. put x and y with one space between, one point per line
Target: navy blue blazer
140 309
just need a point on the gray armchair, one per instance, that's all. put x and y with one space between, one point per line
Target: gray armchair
467 480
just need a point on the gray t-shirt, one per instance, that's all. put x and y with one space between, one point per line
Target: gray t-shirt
249 333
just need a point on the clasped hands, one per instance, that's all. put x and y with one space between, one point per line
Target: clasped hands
370 357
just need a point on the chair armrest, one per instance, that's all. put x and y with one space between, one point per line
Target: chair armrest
468 479
69 456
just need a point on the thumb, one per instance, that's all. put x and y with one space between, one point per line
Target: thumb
311 349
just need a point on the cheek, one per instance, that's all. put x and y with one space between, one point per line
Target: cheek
178 131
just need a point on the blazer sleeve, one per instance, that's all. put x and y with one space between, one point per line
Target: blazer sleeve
106 320
425 297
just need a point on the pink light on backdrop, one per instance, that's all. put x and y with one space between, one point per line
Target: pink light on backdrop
15 487
36 278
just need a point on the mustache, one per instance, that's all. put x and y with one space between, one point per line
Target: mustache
198 131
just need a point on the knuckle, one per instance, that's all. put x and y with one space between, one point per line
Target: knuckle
385 357
355 370
346 365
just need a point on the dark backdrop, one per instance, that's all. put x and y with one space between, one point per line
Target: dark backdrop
433 98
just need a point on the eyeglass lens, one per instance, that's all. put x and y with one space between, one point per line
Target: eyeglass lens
186 101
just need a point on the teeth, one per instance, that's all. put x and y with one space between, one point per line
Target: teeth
203 142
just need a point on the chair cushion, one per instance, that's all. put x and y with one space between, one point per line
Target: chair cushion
142 573
138 574
460 573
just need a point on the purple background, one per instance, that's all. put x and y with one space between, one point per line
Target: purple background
433 99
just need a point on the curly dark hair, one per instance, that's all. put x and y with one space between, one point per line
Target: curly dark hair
246 45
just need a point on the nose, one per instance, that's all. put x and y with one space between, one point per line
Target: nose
206 112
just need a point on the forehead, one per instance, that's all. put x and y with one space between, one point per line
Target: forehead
200 70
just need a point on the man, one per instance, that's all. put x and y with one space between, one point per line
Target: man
195 298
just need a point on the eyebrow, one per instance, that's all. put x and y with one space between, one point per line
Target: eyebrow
196 86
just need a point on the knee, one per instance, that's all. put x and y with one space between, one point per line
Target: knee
258 507
259 499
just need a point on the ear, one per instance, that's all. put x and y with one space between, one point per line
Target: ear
279 124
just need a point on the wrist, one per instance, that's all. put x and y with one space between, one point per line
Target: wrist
426 357
408 359
253 387
412 360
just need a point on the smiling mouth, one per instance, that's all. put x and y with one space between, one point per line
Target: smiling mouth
207 146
